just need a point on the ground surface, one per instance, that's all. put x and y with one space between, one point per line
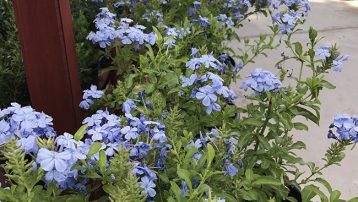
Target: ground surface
338 22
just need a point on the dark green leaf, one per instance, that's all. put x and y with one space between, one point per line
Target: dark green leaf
300 126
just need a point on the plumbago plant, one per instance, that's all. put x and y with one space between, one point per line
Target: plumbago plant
169 129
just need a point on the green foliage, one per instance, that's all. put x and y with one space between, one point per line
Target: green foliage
12 76
22 178
123 187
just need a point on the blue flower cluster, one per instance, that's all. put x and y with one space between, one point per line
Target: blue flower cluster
154 15
346 126
260 81
108 31
208 86
202 142
286 21
58 164
238 7
324 52
132 3
337 63
206 60
140 136
211 137
227 20
89 96
175 34
25 125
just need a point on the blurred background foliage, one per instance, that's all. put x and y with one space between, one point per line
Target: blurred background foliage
12 76
13 86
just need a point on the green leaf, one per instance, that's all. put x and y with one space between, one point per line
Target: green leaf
305 113
264 142
311 191
176 190
298 48
159 35
185 175
5 195
300 126
327 84
298 145
81 132
102 161
150 88
94 148
211 154
249 174
252 122
355 199
312 34
203 188
325 184
129 80
334 196
170 199
267 180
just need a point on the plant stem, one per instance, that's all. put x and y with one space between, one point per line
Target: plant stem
301 69
268 116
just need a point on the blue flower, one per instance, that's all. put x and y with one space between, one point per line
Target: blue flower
148 187
4 132
209 61
346 126
207 95
204 22
140 150
97 133
89 96
260 81
55 175
50 160
112 147
230 170
128 105
337 63
130 133
159 135
323 52
188 81
194 51
66 140
194 63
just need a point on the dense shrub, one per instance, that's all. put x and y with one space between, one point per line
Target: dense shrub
169 129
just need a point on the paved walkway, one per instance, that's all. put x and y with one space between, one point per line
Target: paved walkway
338 22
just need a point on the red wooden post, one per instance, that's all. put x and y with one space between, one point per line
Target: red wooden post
47 42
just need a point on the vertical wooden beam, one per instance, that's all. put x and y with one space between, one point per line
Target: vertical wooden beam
47 42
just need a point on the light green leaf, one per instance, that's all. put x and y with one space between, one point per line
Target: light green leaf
334 196
211 154
266 180
185 175
80 133
327 84
94 148
102 161
311 191
176 190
